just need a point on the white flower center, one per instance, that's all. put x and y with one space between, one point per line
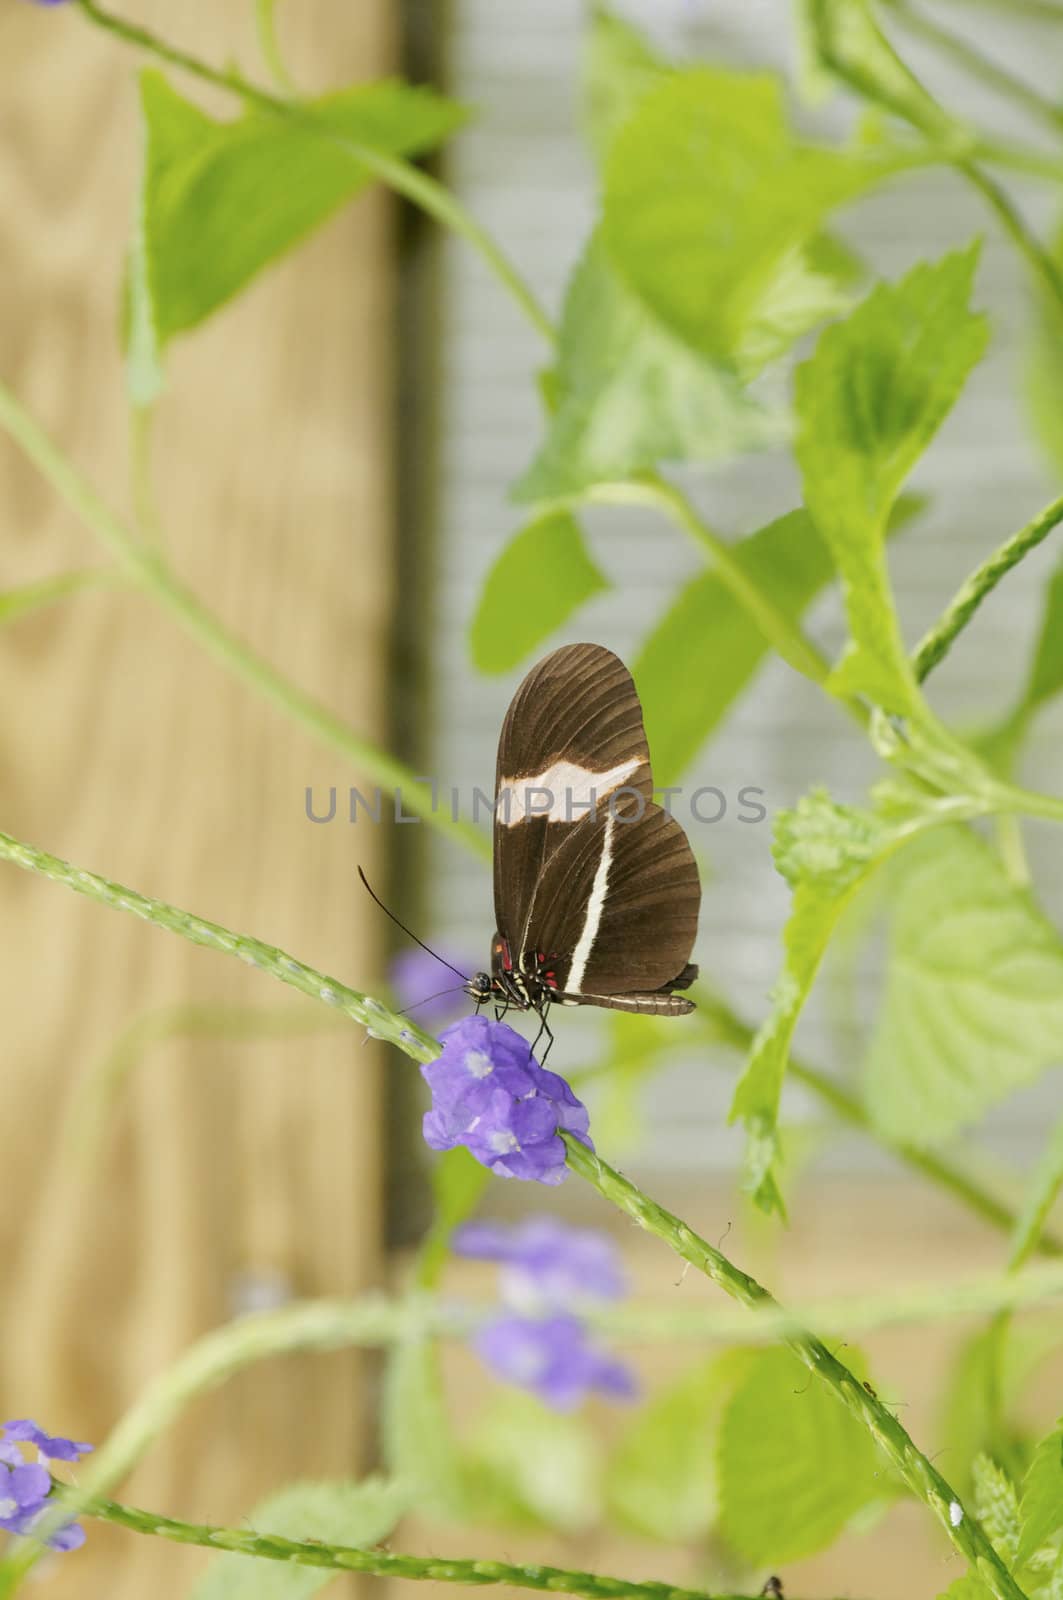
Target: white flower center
503 1143
477 1064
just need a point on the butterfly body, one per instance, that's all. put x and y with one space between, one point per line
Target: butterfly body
596 888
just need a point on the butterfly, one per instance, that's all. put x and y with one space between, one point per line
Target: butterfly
596 888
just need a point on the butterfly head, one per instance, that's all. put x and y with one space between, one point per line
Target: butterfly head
480 987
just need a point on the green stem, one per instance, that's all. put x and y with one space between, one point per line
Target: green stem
842 1315
406 179
142 483
146 568
939 640
15 603
390 1564
921 1477
266 25
934 123
361 1008
1018 158
375 1321
97 1092
979 66
1036 10
773 623
1040 262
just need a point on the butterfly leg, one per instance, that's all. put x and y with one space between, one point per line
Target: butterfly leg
544 1027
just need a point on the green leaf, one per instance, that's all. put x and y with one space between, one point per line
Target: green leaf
824 851
997 1507
868 402
987 1374
222 200
538 1462
969 1587
973 1002
629 395
717 641
542 576
419 1446
1041 1509
707 193
619 67
1041 1194
356 1514
794 1466
661 1478
802 293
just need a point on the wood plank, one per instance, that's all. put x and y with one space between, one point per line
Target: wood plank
125 749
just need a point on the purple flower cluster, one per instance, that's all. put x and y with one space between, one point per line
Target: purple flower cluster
490 1094
546 1265
548 1272
26 1485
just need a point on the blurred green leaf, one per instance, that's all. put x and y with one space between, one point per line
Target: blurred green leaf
630 395
418 1444
798 297
707 194
458 1181
635 1050
986 1377
794 1466
223 199
1044 369
537 1462
869 401
356 1514
996 1506
1041 1510
1046 670
999 744
661 1477
619 67
717 641
824 851
969 1587
973 1001
541 577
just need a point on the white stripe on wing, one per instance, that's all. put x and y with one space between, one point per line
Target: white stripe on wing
563 793
593 920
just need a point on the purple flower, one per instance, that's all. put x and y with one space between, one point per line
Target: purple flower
26 1485
418 979
546 1265
490 1094
554 1358
50 1445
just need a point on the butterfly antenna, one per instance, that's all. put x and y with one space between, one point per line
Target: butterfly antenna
409 932
437 996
